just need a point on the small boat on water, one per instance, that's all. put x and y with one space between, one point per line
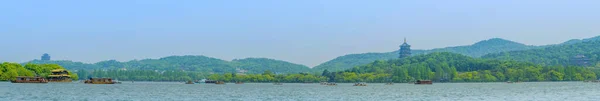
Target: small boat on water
189 82
220 82
26 79
360 84
331 84
239 82
323 83
101 81
424 82
210 81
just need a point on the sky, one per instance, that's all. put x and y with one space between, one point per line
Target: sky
307 32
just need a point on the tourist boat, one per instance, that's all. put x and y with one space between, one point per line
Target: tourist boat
424 82
220 82
59 75
210 81
25 79
100 81
189 82
323 83
331 84
360 84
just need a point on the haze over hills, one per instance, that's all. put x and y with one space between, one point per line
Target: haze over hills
258 65
478 49
583 53
189 63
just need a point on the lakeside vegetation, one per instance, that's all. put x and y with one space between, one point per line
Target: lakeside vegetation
555 55
451 67
478 49
508 61
8 71
188 63
439 67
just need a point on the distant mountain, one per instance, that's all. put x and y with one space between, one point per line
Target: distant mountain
585 52
70 65
574 41
190 63
485 47
476 50
259 65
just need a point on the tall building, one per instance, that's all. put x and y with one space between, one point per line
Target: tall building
46 57
404 50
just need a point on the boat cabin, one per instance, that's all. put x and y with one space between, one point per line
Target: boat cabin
26 79
100 81
424 82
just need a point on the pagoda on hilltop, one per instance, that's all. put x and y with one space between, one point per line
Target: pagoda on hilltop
45 57
404 50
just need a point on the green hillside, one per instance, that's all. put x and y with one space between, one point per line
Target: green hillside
188 63
451 67
259 65
556 55
476 50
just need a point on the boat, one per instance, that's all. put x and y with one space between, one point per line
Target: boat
189 82
220 82
239 82
100 81
360 84
424 82
389 83
59 75
331 84
26 79
210 81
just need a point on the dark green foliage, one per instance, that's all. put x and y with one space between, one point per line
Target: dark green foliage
8 71
476 50
554 55
142 75
450 67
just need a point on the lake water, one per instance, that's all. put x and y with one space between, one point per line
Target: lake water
161 91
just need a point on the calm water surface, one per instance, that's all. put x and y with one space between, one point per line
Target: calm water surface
153 91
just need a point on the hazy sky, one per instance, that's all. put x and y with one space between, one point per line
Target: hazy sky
308 32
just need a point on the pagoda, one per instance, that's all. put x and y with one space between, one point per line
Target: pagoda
404 50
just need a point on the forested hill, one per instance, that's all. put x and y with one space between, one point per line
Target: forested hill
451 67
189 63
476 50
259 65
568 54
574 41
484 47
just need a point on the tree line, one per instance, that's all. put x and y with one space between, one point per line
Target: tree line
9 71
450 67
149 75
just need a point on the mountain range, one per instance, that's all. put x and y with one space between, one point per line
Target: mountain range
476 50
189 63
497 48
